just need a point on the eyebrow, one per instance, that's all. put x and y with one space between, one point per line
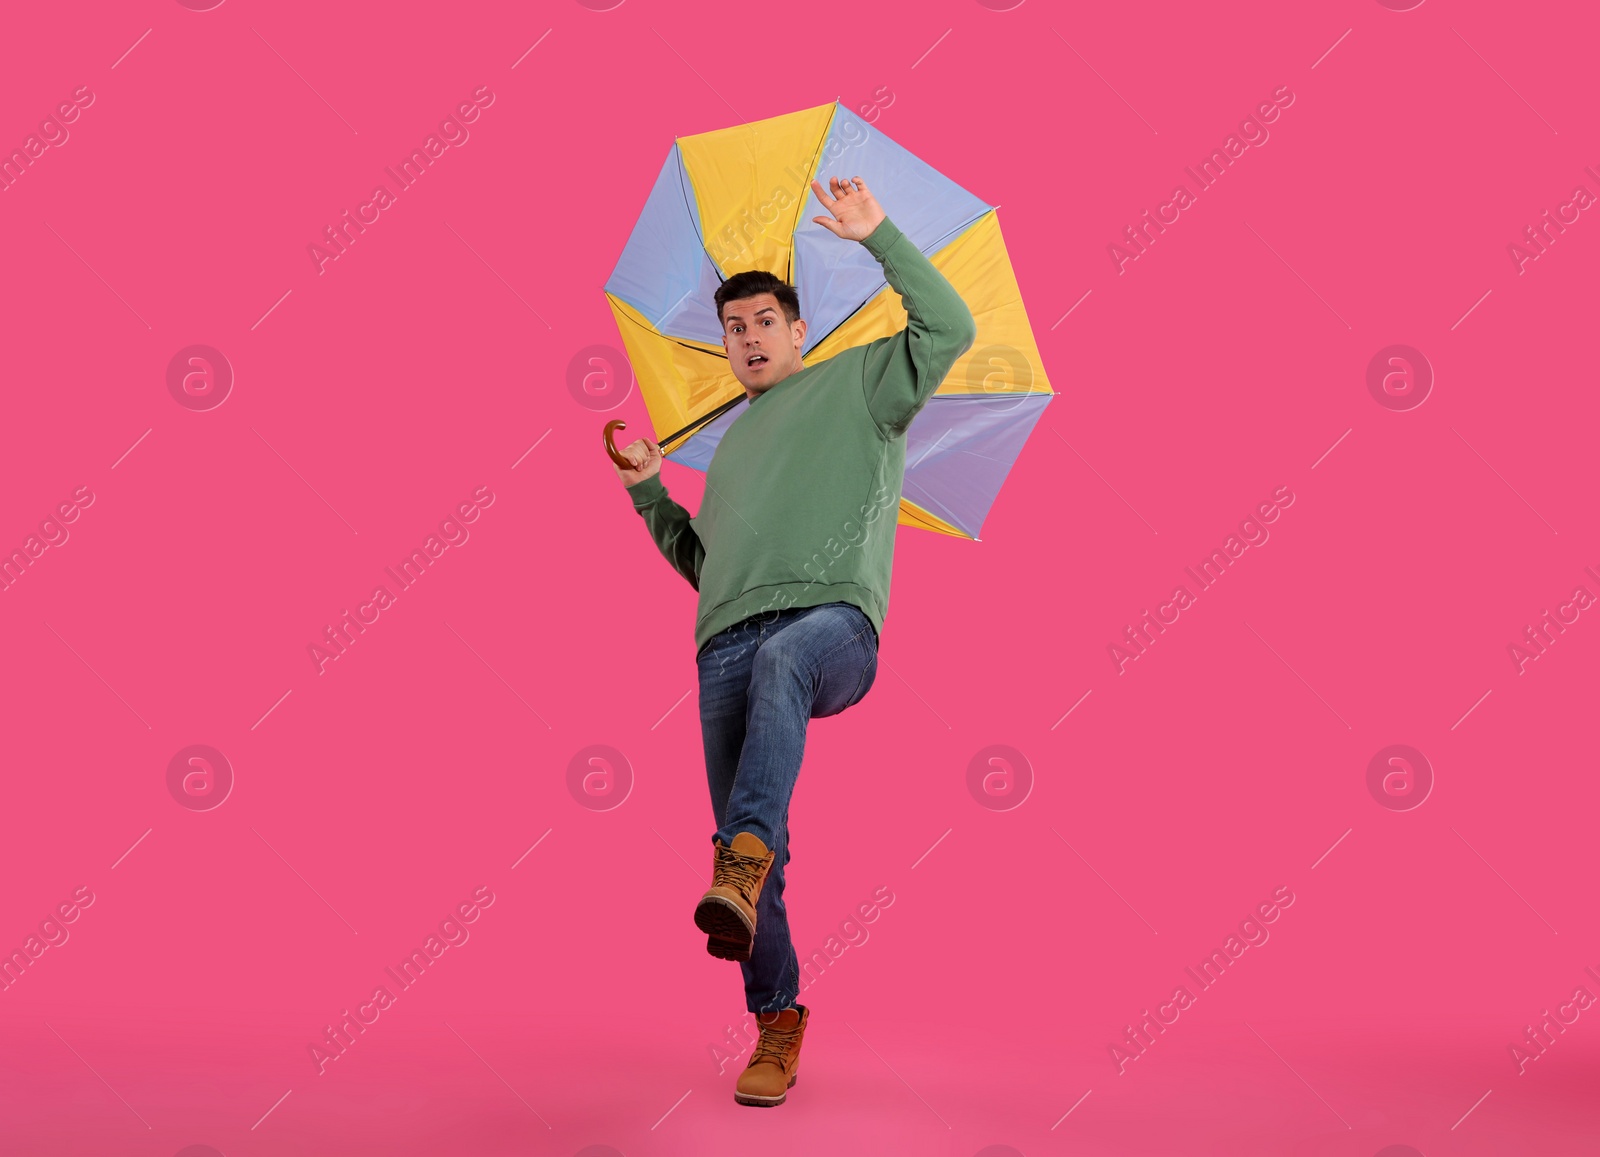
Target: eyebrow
737 317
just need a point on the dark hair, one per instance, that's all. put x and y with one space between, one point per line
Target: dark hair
756 281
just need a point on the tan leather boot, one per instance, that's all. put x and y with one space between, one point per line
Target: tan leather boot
727 912
775 1063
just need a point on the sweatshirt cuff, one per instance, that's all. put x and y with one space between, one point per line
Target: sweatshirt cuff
647 491
881 238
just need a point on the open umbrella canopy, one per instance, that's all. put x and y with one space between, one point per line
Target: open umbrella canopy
740 198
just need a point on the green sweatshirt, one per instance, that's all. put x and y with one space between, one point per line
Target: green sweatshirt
803 492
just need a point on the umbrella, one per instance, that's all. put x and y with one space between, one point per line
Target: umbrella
740 198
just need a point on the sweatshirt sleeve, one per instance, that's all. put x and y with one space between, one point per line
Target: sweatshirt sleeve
669 526
902 371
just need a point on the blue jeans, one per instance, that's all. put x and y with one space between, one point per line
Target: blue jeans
761 681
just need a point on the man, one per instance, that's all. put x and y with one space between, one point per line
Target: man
791 553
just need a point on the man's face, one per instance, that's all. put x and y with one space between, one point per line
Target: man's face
763 348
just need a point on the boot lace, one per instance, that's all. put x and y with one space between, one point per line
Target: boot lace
775 1044
738 869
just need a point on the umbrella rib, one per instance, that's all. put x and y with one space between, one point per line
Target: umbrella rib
677 303
933 501
694 217
816 344
922 521
705 419
884 283
800 202
674 340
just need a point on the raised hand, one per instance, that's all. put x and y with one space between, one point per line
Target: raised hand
855 210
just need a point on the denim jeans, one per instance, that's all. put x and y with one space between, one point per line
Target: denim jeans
761 681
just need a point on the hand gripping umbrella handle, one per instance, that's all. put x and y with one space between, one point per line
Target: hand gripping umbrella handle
611 449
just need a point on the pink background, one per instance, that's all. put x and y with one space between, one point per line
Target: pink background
424 363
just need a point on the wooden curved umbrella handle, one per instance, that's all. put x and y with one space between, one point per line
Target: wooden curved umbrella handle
611 449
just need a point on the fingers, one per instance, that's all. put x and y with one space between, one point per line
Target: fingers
642 454
636 453
842 187
846 192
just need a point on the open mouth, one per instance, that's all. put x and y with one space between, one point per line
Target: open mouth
755 360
